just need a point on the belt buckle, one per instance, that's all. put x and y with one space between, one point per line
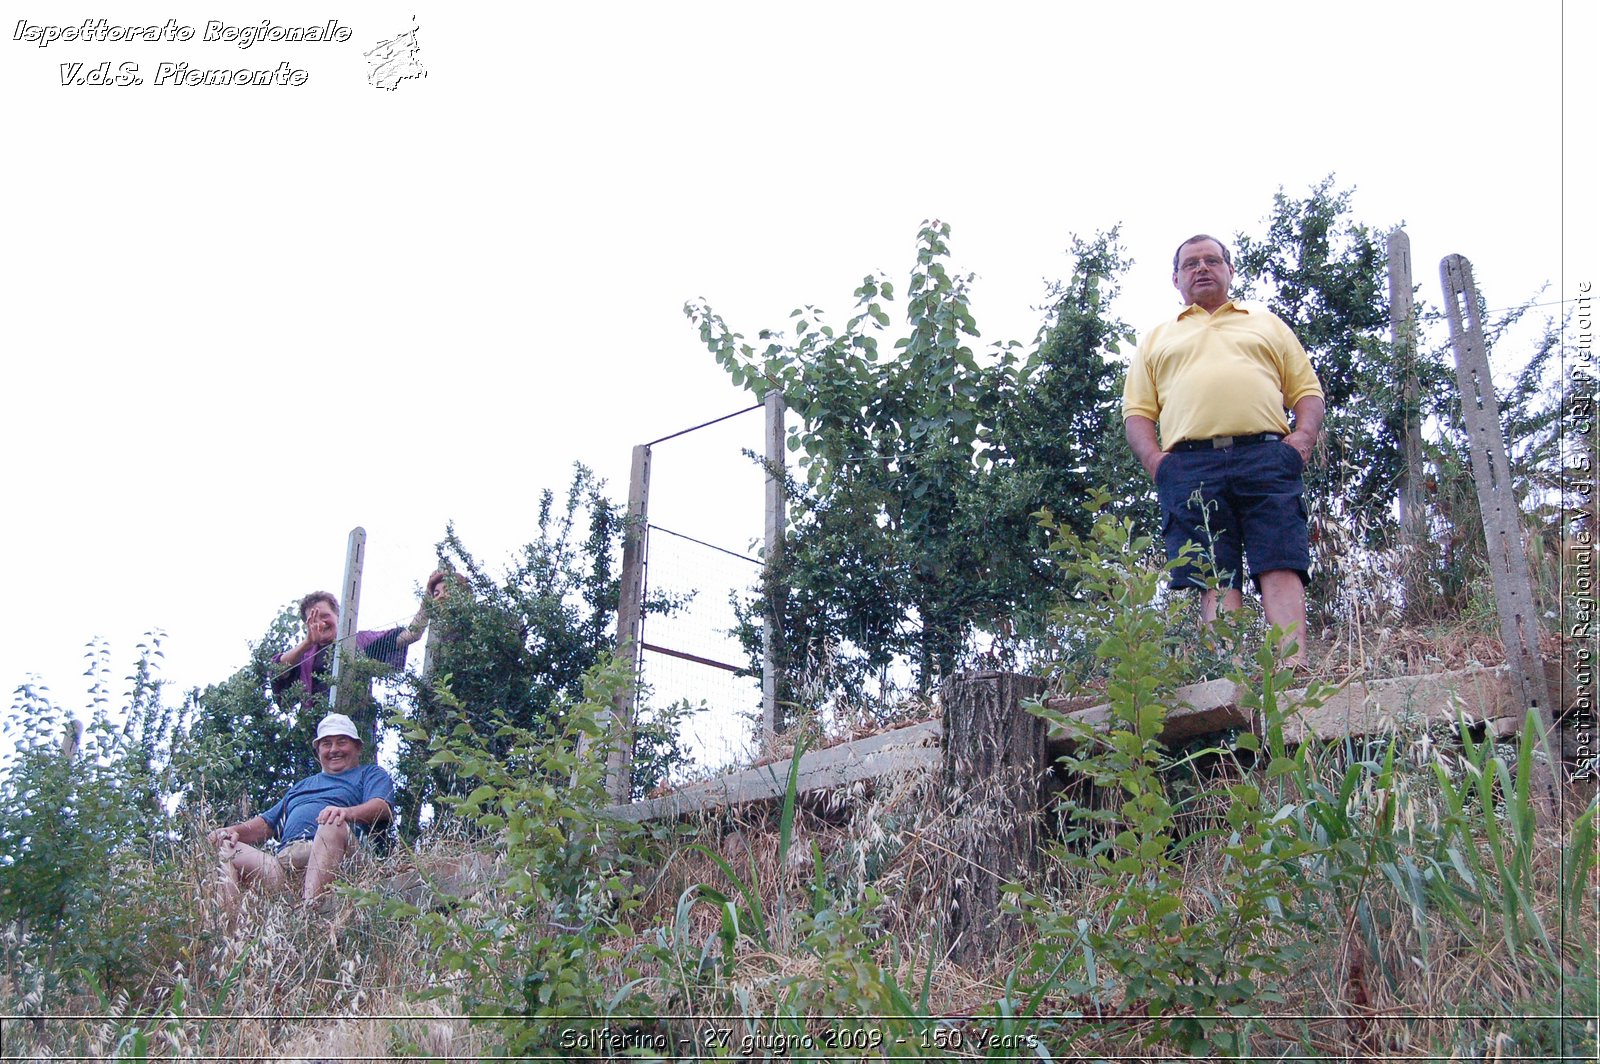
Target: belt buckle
1221 443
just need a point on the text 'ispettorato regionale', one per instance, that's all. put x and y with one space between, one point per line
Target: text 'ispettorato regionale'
167 72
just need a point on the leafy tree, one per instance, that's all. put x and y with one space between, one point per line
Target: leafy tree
1324 275
876 560
515 649
1059 437
910 531
248 747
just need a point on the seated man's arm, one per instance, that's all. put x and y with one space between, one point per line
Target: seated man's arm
376 805
251 832
370 812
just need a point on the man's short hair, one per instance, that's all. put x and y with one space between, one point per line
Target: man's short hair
1226 255
316 597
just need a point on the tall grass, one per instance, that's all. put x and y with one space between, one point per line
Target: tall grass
1387 896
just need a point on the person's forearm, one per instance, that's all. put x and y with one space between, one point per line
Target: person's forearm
1308 413
1307 425
414 630
1141 434
251 832
297 654
370 811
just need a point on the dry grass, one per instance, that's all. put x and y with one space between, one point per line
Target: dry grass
1423 981
315 986
322 987
278 982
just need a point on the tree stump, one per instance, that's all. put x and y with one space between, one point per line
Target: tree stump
995 775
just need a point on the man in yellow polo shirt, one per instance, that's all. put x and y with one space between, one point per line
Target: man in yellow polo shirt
1218 378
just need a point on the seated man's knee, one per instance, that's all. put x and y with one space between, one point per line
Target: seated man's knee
334 836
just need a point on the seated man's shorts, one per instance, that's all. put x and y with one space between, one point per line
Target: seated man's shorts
293 856
1251 503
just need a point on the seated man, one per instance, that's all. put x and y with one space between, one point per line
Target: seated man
311 662
314 822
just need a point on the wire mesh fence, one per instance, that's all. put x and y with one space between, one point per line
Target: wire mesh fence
705 507
692 653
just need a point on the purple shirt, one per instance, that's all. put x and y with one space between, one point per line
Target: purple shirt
313 670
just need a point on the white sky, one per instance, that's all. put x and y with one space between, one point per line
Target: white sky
240 321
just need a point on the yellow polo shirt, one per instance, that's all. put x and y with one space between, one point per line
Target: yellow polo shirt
1231 373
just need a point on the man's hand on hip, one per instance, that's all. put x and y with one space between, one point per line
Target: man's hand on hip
1302 442
1141 433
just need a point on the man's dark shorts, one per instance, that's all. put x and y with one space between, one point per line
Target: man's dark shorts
1253 500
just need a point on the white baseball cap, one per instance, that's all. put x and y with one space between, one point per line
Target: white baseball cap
336 724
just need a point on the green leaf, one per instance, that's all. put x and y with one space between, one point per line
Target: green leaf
1281 766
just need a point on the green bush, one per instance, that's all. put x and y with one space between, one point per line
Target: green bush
85 840
1392 866
1146 947
537 948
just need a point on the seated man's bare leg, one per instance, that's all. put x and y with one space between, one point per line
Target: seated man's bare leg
245 866
327 850
1283 599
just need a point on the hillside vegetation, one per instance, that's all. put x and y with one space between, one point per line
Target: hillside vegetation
1389 896
1393 896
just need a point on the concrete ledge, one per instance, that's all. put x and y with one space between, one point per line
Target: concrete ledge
1357 709
913 747
1408 702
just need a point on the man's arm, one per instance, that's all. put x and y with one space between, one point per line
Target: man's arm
251 832
370 812
1307 425
1141 433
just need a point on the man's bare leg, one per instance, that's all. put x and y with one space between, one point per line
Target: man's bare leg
1283 600
243 866
1208 603
327 850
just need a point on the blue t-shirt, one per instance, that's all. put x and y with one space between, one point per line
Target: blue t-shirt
295 814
